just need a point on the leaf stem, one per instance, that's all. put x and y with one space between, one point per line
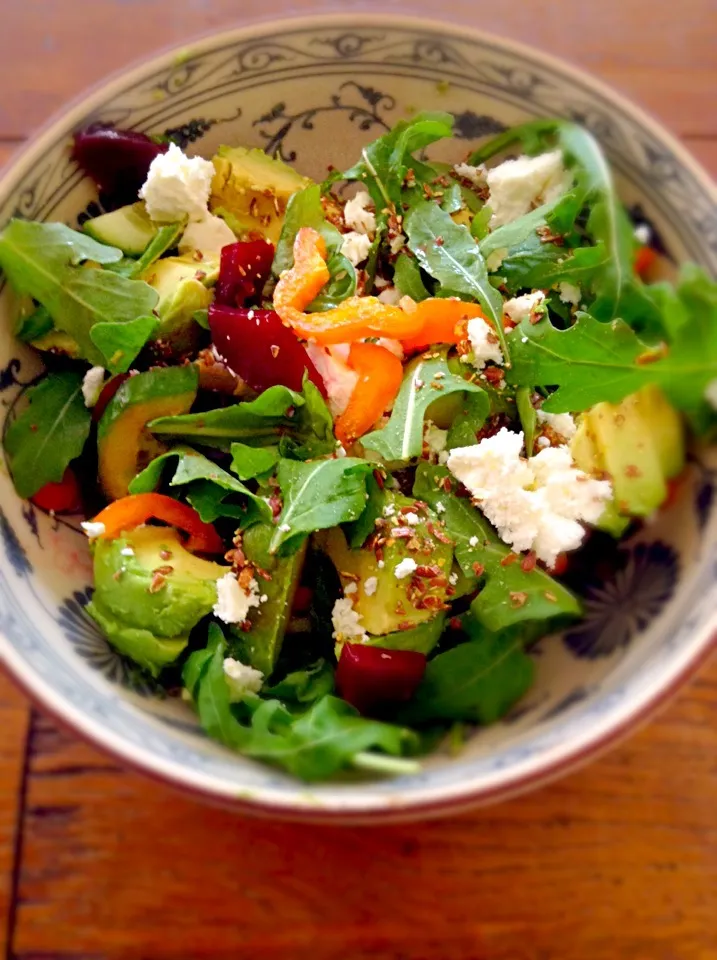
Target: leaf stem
381 763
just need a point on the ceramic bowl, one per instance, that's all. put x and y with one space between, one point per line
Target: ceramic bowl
313 91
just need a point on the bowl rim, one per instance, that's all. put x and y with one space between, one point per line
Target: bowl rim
350 808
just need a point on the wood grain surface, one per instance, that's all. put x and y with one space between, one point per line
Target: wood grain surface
616 862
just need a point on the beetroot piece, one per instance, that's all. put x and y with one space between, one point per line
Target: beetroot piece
117 160
259 348
244 269
371 678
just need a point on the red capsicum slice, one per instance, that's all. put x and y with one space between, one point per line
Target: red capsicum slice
61 497
136 509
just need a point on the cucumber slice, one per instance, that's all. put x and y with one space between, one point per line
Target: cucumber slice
128 228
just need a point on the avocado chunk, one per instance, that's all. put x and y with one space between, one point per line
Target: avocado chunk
128 228
395 604
666 429
150 592
260 646
58 342
421 638
125 445
179 281
250 191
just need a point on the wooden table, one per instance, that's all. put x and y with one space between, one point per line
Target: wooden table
616 861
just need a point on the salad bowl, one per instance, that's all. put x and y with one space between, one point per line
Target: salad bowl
313 92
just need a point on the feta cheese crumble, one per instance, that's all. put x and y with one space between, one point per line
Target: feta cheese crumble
339 379
476 175
523 307
473 542
358 213
127 552
92 385
233 602
177 186
391 295
562 423
241 678
412 519
405 568
485 343
517 186
370 586
93 530
643 234
355 247
569 293
349 589
347 622
537 504
207 235
440 508
435 439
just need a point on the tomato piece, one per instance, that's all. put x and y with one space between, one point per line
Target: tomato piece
380 374
644 260
117 160
260 349
370 678
106 393
243 271
62 497
136 509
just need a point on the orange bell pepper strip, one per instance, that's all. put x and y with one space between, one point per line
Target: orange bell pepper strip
134 510
355 318
441 322
380 374
644 259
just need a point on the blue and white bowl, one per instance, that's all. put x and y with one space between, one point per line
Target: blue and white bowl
314 91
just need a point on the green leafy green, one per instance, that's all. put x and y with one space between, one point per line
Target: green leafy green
312 743
33 325
318 495
477 681
251 462
357 531
528 416
121 342
424 382
41 259
165 238
213 502
385 163
304 210
471 418
48 434
192 467
407 278
301 423
511 594
447 251
304 686
537 265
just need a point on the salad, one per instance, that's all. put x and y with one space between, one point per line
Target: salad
344 444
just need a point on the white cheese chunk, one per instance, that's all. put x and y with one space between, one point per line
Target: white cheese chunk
517 186
241 678
405 568
370 586
569 293
207 235
562 423
485 343
391 296
92 529
233 602
355 247
347 622
359 214
435 439
92 383
538 504
527 305
476 175
177 186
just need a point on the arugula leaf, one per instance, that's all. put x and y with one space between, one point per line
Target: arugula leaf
477 681
537 265
511 594
165 238
33 325
304 210
466 424
358 530
317 495
213 502
48 434
385 162
407 278
447 251
121 342
425 381
41 259
528 417
327 736
251 462
300 423
593 361
515 233
452 200
191 467
304 686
